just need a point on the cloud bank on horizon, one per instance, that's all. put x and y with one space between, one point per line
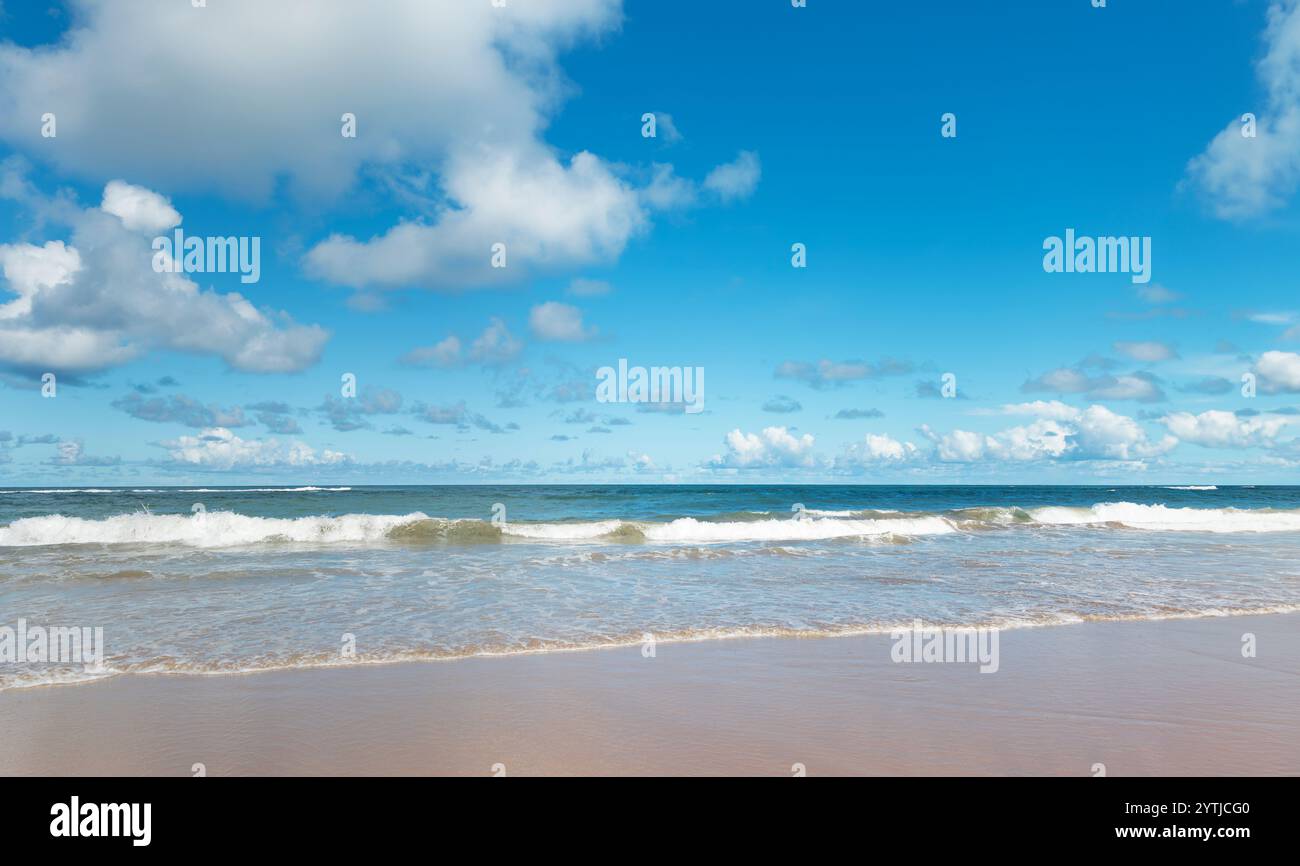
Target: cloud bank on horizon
397 245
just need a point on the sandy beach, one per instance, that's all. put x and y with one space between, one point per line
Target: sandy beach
1172 697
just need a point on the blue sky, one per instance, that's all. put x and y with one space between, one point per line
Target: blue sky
776 125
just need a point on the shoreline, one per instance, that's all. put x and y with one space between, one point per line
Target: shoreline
666 639
1153 697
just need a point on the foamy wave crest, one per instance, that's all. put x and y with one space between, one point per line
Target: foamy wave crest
1194 487
213 529
1166 519
53 490
565 531
262 490
688 529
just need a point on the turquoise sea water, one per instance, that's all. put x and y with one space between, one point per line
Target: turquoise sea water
219 580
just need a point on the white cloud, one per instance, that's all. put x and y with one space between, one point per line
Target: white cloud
463 153
882 448
28 269
1154 293
486 75
1243 177
735 180
558 322
1220 429
1278 371
666 128
1061 432
138 208
96 302
1070 380
774 447
1148 351
584 288
547 214
1279 318
219 448
1052 409
495 345
1103 434
827 373
666 190
444 353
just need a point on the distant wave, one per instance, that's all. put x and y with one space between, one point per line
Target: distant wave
56 490
216 529
1194 487
1165 519
64 490
257 490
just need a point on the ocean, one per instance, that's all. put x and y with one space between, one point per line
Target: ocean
219 580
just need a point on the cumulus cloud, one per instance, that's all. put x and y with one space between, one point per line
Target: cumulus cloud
445 353
1208 385
494 347
219 448
346 414
463 153
1242 176
73 453
1278 372
774 447
547 214
179 409
1060 432
554 321
138 208
1140 386
856 414
95 302
1147 352
826 373
585 288
782 404
488 75
666 129
1220 429
735 180
1154 293
881 448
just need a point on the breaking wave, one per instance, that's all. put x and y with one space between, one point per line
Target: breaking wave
216 529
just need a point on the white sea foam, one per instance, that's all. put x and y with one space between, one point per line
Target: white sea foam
213 529
216 529
264 490
688 529
562 531
1194 487
63 490
1166 519
55 490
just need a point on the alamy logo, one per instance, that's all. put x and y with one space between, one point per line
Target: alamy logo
942 644
655 385
1104 255
103 819
208 255
66 644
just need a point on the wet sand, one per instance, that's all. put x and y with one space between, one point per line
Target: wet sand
1172 697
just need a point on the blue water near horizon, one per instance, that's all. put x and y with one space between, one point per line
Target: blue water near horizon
223 579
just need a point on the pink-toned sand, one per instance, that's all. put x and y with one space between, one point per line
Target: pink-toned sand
1171 697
